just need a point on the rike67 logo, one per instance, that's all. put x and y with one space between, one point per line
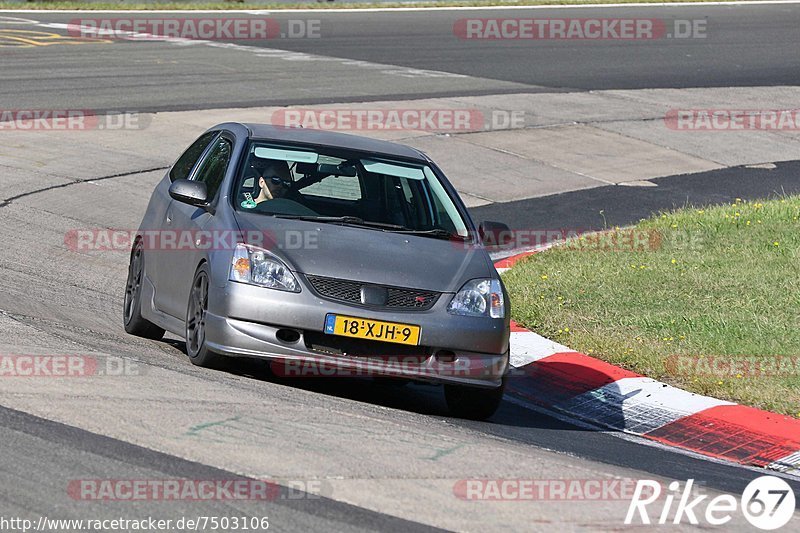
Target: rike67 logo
768 503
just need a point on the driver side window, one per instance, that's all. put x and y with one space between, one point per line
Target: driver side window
212 170
186 162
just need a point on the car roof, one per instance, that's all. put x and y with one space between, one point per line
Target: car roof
266 132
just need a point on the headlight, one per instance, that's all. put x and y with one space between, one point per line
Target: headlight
479 297
259 267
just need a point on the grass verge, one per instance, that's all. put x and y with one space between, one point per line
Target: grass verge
215 6
707 299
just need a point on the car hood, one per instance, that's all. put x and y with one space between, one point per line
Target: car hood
367 255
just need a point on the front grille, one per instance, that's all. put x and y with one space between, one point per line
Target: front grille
338 345
350 292
337 289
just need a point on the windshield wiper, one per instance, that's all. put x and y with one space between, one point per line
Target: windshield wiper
350 220
437 233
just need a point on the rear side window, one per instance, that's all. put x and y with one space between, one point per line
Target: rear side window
183 168
212 171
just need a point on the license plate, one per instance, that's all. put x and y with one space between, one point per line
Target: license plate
377 330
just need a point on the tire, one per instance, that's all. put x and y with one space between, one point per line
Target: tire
473 403
196 312
132 318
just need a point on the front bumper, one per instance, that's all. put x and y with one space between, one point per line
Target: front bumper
249 321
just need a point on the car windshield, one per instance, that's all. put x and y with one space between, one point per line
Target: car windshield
383 194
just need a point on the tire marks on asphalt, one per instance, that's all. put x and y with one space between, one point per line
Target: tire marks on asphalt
9 201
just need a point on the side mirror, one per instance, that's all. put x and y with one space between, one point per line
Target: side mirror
495 234
189 192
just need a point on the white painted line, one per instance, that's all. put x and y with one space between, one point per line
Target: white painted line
272 53
789 464
412 9
638 405
16 20
528 347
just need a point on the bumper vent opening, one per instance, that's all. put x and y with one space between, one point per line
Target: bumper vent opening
288 336
445 356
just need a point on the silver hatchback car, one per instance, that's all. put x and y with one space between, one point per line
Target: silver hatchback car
328 254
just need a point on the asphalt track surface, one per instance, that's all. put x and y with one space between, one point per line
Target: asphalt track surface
604 207
53 432
28 439
743 46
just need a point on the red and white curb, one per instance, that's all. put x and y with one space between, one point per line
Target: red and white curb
580 387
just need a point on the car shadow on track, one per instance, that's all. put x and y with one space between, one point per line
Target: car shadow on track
567 384
396 394
386 392
519 418
564 385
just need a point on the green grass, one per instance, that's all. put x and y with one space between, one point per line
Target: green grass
212 6
720 282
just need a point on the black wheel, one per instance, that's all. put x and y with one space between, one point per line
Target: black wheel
135 324
196 312
473 403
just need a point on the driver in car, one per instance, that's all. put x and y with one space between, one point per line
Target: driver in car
274 181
